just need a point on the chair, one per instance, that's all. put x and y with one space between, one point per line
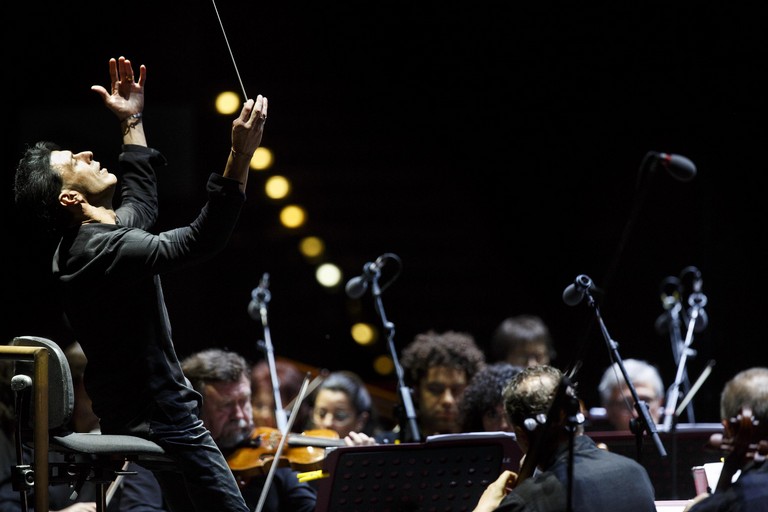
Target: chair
42 381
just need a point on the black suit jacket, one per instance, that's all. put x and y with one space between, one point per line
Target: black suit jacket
602 482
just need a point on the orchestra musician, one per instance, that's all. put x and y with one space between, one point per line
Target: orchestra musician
224 380
597 481
744 414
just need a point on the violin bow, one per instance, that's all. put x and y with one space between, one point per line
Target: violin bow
324 372
116 484
283 438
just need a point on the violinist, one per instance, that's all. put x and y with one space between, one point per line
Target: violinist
343 404
602 481
224 380
747 439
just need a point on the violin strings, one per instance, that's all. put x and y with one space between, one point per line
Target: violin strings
232 56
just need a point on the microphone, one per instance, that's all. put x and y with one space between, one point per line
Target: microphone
696 280
357 286
678 166
574 293
259 297
696 299
670 290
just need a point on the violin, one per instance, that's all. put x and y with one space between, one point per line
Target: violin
302 452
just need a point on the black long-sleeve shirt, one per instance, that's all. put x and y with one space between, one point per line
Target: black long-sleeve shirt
108 275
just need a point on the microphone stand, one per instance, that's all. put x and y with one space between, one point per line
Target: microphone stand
679 348
697 301
408 413
645 421
676 415
261 298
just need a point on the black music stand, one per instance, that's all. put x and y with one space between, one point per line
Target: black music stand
691 442
445 473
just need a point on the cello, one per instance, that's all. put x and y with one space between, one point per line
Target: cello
563 404
745 445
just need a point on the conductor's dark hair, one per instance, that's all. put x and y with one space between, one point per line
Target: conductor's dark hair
37 186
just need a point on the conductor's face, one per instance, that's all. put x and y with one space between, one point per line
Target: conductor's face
83 177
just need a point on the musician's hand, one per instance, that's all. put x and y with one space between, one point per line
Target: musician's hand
359 439
697 499
496 491
89 506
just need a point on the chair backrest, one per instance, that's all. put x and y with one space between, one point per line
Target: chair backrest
61 394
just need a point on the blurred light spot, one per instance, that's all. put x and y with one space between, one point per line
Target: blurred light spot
293 216
228 103
277 187
262 159
363 334
328 275
312 247
383 365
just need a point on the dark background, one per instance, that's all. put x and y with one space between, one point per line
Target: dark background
495 148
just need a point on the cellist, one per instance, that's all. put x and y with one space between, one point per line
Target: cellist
744 414
562 470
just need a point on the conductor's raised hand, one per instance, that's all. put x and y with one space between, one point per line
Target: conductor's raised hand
248 127
126 96
247 130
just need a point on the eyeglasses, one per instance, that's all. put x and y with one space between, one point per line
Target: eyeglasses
614 404
339 415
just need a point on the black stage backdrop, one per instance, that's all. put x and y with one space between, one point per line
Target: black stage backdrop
495 148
